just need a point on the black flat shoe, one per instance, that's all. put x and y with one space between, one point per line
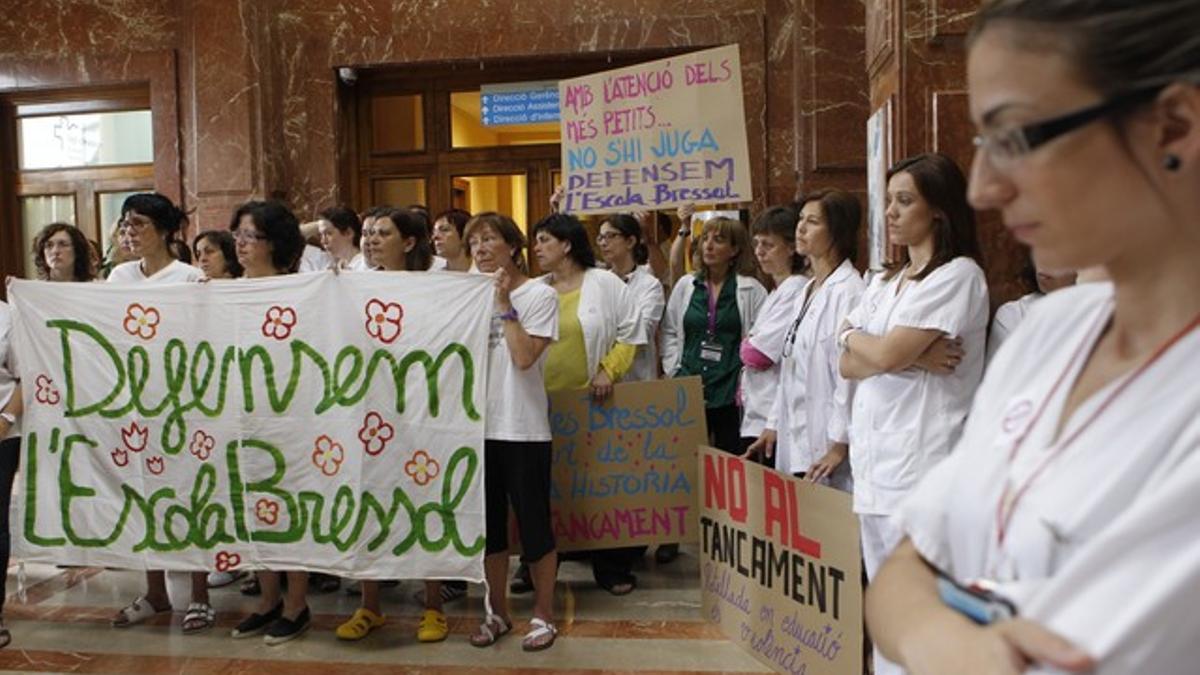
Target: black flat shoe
666 553
522 582
285 629
257 623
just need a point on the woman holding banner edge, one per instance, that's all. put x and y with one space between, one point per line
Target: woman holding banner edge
269 243
10 450
517 439
149 221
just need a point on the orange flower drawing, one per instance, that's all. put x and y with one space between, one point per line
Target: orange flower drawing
383 320
375 433
141 321
279 322
328 455
422 468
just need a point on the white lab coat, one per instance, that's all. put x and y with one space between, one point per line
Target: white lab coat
750 296
606 315
812 408
902 424
1008 317
1104 547
646 293
767 335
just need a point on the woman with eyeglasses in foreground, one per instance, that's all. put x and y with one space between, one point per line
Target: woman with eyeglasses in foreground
1074 491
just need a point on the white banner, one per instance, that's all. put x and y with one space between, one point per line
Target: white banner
324 422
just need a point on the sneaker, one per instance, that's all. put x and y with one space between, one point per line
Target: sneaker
257 623
285 629
222 579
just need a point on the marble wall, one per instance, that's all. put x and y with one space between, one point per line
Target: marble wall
916 59
244 90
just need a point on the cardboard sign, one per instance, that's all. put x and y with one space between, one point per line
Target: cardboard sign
322 422
780 566
625 470
656 135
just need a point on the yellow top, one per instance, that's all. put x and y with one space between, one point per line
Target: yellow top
566 362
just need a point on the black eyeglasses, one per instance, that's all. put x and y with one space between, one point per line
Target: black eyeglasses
1007 145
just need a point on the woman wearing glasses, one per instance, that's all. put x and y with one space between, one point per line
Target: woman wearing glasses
1074 491
269 243
808 430
901 345
149 222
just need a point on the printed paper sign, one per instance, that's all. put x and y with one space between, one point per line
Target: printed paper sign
656 135
625 470
322 422
780 566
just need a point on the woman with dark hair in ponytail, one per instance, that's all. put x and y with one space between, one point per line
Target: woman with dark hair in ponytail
1073 493
149 223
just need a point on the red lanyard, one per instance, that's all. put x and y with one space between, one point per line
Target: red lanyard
1008 505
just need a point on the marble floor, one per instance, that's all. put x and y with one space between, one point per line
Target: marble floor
60 623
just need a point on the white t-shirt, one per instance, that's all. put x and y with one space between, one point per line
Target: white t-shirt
8 369
904 423
314 260
517 406
358 263
438 263
1008 317
767 334
646 291
1103 547
176 271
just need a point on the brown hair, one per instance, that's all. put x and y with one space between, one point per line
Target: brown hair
781 221
508 231
733 231
79 244
1116 45
843 218
412 224
944 187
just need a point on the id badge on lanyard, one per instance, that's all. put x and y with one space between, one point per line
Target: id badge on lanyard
711 350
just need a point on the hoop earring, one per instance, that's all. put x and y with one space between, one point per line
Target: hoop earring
1172 163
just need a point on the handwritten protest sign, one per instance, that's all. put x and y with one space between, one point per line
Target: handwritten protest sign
319 422
625 470
656 135
780 566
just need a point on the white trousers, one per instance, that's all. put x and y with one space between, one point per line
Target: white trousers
879 537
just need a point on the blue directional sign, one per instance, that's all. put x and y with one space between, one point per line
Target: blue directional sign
518 103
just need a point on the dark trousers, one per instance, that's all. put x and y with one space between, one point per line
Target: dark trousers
10 458
724 428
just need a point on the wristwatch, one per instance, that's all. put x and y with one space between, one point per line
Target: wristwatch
685 230
510 315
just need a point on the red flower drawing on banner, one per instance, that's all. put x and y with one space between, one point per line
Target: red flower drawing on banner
383 320
328 455
155 465
120 457
226 561
279 322
422 468
375 433
135 436
141 321
46 392
202 445
267 511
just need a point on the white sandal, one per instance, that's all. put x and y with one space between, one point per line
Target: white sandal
540 629
199 616
137 612
486 636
